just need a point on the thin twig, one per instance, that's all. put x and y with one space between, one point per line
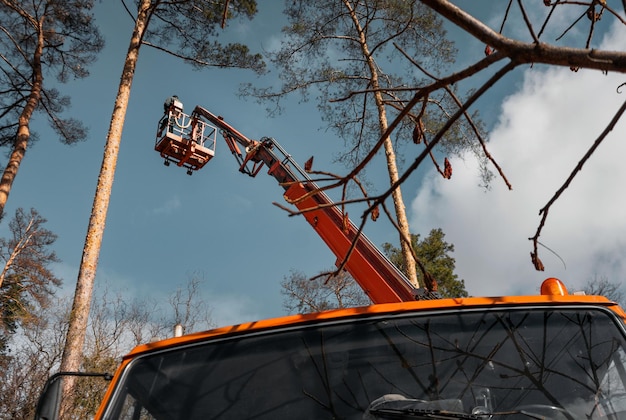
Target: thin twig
467 118
527 21
546 209
486 86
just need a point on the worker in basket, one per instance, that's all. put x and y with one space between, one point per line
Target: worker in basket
173 109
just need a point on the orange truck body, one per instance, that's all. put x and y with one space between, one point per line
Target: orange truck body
537 338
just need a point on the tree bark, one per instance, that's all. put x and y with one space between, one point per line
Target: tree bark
23 131
75 339
390 156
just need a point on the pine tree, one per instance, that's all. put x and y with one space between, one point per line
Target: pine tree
434 252
56 38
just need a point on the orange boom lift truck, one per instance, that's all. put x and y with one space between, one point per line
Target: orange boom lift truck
410 355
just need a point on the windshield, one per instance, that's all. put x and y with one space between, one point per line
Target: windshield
531 363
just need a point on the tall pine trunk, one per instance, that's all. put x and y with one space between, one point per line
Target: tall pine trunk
390 156
75 339
20 144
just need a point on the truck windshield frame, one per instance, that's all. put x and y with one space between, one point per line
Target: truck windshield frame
556 361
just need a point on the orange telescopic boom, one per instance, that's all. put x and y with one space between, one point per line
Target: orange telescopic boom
382 281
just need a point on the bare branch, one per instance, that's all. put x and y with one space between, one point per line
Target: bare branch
546 209
536 52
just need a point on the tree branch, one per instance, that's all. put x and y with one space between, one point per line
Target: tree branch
546 209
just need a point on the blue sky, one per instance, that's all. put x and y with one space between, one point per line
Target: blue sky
163 225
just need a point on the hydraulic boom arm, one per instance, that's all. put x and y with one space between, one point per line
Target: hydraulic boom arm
376 275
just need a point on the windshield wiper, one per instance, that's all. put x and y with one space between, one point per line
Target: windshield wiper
397 406
416 413
402 413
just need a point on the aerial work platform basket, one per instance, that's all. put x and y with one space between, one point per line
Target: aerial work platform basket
184 140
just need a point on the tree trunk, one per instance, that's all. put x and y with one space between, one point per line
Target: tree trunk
75 339
403 223
390 155
23 131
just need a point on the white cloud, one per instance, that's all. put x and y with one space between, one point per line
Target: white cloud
273 43
543 131
169 206
225 308
68 274
232 309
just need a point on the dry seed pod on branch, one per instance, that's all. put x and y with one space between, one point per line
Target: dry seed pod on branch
536 262
418 132
375 213
447 169
308 165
